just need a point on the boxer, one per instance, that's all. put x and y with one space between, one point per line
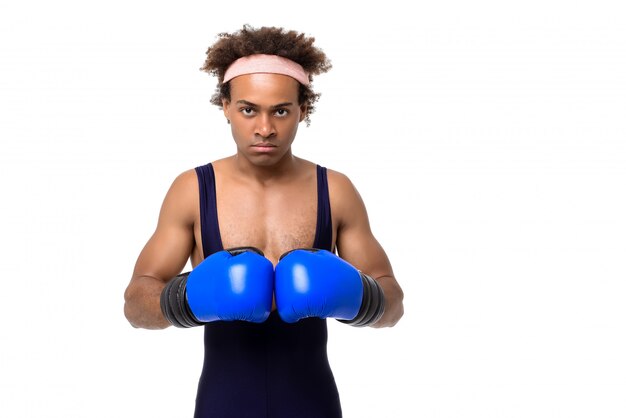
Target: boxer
278 244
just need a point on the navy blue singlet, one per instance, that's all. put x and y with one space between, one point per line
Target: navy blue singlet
272 369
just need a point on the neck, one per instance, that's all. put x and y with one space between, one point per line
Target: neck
283 168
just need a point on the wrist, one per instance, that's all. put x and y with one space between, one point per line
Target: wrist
174 304
372 305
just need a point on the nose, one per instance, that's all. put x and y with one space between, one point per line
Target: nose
264 127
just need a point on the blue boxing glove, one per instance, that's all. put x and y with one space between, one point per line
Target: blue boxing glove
317 283
229 285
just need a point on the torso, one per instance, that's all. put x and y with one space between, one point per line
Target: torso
267 356
275 218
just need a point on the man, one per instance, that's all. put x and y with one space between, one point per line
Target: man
261 228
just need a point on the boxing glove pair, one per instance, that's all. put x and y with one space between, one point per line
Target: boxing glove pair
238 284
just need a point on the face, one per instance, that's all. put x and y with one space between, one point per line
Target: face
264 115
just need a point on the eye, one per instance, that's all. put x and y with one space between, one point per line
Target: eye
282 112
247 111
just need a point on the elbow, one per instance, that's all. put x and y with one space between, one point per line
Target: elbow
142 307
399 306
130 312
129 316
391 316
399 314
394 309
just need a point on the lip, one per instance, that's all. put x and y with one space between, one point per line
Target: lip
264 147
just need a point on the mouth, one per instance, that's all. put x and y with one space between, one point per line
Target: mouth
264 147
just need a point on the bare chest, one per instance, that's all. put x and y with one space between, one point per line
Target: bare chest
273 219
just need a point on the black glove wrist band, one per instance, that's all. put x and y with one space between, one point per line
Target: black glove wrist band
373 305
174 303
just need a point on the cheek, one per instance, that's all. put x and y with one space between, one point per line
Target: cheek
293 128
239 125
237 133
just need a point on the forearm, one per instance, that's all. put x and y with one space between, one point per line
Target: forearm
394 307
142 305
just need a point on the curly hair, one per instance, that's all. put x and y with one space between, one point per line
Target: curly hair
266 40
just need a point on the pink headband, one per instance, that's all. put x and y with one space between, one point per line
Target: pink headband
261 63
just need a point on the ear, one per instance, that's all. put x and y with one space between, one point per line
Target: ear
226 109
303 111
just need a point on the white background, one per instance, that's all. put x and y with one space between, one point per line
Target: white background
487 139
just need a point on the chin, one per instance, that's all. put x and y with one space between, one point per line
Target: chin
264 163
263 160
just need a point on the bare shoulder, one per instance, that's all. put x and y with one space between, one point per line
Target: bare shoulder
187 179
341 187
182 197
186 183
338 179
346 202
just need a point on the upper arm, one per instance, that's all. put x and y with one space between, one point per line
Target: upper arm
168 249
357 245
355 241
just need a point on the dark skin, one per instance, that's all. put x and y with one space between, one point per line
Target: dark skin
266 198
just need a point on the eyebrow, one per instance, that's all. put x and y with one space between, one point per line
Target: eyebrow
276 106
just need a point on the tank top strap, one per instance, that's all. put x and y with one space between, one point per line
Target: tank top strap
324 229
209 226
